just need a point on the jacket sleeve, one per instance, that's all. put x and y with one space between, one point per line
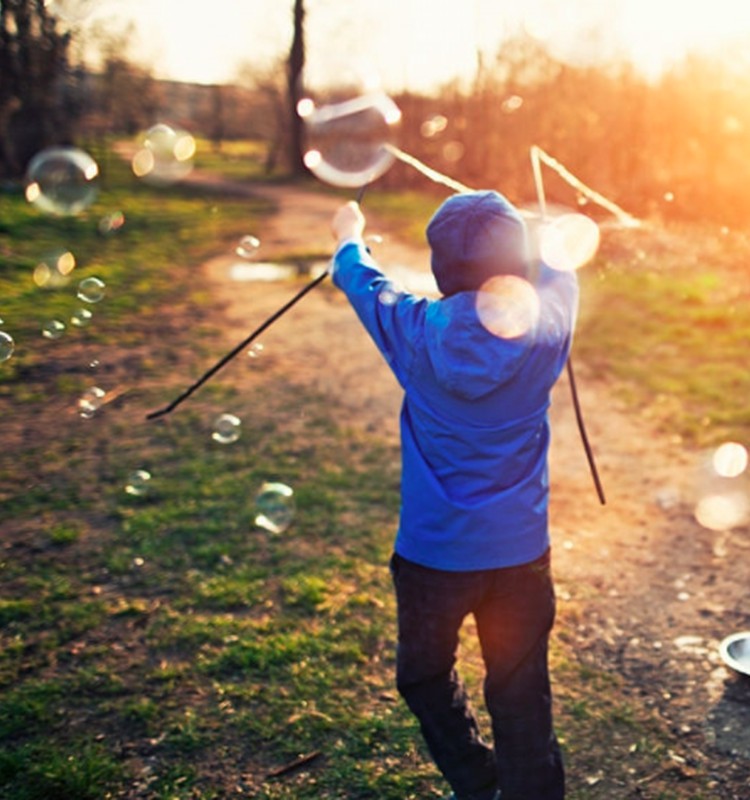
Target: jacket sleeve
393 318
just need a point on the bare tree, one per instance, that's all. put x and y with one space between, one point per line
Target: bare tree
33 71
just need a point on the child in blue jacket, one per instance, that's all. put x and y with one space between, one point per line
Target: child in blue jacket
473 532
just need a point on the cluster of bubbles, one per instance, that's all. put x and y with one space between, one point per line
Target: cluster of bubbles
723 488
165 155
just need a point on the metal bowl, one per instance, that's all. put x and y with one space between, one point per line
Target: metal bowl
735 652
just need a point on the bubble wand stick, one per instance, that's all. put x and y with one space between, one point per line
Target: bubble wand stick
246 341
541 199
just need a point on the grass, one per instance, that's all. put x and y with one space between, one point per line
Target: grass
164 645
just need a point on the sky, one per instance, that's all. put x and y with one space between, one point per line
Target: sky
410 48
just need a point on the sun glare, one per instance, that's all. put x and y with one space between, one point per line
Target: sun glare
421 49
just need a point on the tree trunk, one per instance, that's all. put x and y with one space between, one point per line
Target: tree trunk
295 66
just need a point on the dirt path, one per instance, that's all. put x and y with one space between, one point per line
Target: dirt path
659 591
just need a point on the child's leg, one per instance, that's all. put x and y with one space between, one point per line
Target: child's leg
432 604
514 621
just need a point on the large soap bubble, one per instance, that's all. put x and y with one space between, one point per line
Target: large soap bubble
347 142
7 345
165 155
62 180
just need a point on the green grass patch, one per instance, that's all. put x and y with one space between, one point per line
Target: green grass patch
163 644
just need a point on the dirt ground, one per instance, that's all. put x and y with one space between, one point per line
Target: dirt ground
660 592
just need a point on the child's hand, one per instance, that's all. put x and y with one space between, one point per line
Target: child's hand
348 222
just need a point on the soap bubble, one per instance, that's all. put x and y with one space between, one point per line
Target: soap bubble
138 483
723 491
81 317
111 223
274 504
247 247
433 126
165 156
53 271
569 242
347 142
508 306
227 429
53 329
91 290
7 345
61 180
255 350
90 402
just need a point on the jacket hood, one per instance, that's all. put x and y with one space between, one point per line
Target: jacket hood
474 236
466 358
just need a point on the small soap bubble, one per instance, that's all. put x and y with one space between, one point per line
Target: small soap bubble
247 247
53 271
348 143
508 306
91 290
62 180
90 402
138 483
111 223
165 155
81 317
227 429
433 126
569 242
511 104
7 346
53 329
255 350
274 505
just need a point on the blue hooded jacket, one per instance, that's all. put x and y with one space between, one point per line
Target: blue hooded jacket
474 420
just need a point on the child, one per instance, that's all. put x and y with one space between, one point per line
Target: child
473 534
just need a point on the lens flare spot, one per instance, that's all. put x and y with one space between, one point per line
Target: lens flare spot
569 242
730 460
722 512
508 306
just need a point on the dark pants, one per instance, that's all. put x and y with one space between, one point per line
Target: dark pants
514 608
